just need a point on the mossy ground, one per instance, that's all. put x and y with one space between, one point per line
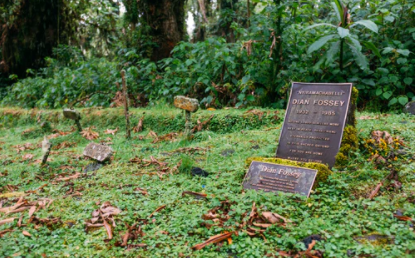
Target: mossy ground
338 210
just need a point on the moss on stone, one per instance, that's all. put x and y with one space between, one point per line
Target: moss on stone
349 142
323 171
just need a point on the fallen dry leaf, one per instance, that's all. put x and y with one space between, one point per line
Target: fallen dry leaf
3 232
212 240
4 221
26 233
108 228
157 210
201 195
113 132
27 157
139 126
89 134
274 217
403 218
74 176
32 210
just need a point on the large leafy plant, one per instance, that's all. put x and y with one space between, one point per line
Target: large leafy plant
341 36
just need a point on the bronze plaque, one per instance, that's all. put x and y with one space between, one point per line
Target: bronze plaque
314 122
271 177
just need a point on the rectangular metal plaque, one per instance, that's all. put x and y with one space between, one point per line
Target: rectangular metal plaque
314 122
271 177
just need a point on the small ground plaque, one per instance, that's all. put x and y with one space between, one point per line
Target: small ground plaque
314 122
271 177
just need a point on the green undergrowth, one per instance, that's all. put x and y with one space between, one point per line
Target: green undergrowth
160 119
338 210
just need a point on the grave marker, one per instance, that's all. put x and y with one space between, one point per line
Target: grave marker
314 122
190 106
271 177
73 115
98 152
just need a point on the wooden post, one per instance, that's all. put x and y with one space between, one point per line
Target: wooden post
46 147
127 115
188 125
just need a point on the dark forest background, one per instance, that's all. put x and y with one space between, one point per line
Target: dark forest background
57 53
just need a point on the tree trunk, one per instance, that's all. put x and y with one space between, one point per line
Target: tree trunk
166 19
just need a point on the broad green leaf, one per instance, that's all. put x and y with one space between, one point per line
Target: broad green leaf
379 91
372 47
245 79
359 57
319 43
319 24
387 94
368 24
408 81
336 10
387 50
369 82
393 101
331 53
343 32
355 43
403 100
402 61
404 52
339 10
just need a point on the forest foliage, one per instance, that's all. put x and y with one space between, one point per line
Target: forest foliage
240 53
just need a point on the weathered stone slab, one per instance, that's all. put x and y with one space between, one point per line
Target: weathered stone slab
182 102
71 114
314 122
98 152
410 107
271 177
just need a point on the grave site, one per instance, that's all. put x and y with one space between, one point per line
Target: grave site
200 128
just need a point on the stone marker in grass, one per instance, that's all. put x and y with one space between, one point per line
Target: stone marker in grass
73 115
46 147
190 106
410 108
98 152
271 177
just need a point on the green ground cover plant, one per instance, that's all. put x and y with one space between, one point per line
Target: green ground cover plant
146 182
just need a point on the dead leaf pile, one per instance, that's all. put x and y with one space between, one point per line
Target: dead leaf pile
64 145
167 137
103 217
139 126
26 146
113 132
58 133
256 112
89 134
201 125
219 215
383 147
133 233
23 205
257 222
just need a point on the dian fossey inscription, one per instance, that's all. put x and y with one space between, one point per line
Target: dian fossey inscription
279 178
314 122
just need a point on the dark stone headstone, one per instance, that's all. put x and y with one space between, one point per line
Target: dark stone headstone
410 107
98 152
314 122
271 177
